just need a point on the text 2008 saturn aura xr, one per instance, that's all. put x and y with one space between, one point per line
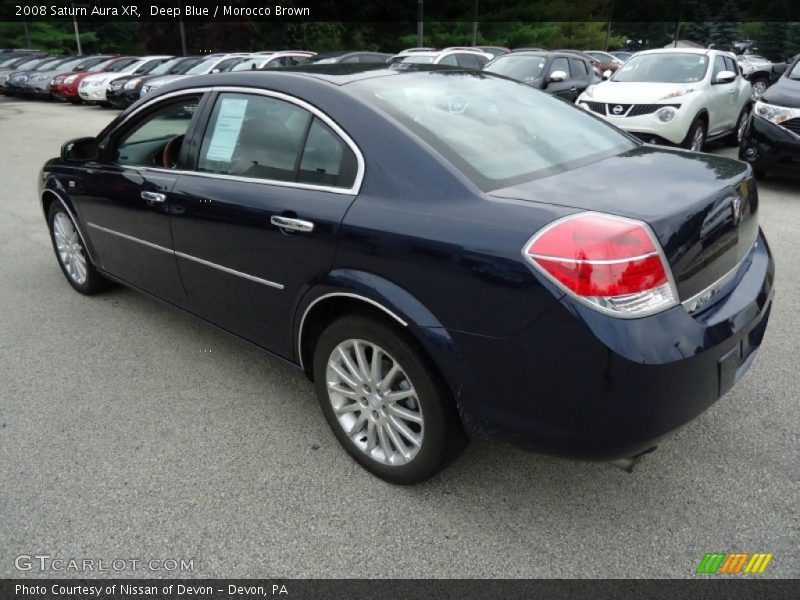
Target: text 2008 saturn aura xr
445 253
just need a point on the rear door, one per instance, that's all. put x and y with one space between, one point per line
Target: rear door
258 218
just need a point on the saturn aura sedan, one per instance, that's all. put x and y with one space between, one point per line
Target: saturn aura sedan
444 253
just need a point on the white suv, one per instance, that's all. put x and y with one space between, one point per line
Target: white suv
675 96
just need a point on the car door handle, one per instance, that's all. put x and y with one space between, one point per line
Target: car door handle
154 197
292 224
573 89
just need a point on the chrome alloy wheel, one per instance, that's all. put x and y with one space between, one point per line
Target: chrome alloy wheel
698 137
742 125
70 249
759 87
375 402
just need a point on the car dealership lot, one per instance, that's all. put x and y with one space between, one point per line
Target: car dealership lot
132 431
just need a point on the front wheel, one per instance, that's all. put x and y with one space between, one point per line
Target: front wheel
735 138
71 253
696 136
383 402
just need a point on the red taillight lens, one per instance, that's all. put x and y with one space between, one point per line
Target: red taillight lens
609 262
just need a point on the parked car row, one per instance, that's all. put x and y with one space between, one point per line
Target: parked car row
671 96
114 80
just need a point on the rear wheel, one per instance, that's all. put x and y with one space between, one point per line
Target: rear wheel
72 256
383 402
696 136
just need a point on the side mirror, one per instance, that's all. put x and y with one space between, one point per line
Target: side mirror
725 77
557 76
607 73
83 149
215 71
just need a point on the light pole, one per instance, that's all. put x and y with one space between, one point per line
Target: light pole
475 24
419 22
183 36
77 33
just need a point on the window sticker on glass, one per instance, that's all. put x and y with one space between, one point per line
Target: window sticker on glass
226 131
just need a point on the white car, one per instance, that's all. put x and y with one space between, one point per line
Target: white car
274 60
682 96
455 57
93 88
213 63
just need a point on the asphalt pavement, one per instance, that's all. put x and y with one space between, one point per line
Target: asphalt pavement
129 431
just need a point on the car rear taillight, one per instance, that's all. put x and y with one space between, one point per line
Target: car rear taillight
610 263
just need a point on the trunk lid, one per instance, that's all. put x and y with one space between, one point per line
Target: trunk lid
702 208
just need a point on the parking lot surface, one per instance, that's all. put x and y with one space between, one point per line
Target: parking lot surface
128 430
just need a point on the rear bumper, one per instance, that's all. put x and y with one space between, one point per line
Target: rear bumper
582 384
769 147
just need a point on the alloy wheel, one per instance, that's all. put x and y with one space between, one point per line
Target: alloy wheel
70 250
698 138
742 125
375 402
759 87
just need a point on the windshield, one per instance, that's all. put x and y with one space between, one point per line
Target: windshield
28 64
122 65
496 131
165 66
68 66
523 68
204 66
148 67
99 66
49 64
663 68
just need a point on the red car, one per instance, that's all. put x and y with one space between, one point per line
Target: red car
65 86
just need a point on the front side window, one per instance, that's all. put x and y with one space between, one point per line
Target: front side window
469 61
560 64
449 60
498 132
578 67
261 137
156 140
667 67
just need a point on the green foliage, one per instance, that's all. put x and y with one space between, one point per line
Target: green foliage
53 37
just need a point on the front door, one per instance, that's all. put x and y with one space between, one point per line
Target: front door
566 88
259 218
125 203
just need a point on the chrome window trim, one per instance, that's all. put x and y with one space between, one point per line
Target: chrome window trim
346 295
201 261
360 168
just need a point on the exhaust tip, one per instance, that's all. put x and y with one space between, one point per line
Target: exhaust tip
627 464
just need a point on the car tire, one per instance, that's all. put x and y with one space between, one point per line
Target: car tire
696 136
71 254
760 85
361 413
741 123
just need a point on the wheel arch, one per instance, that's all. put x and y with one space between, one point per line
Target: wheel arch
50 195
349 291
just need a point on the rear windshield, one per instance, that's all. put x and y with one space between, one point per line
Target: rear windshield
496 131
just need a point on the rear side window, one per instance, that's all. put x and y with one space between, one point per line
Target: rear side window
326 160
578 67
261 137
469 61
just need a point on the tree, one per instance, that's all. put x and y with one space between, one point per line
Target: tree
727 29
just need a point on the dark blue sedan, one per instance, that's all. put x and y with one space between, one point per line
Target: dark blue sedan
444 253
